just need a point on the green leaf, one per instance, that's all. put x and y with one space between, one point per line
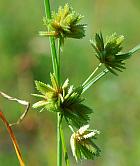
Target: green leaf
77 31
77 115
86 154
52 106
73 146
122 57
66 83
37 95
111 70
40 104
42 87
99 41
95 48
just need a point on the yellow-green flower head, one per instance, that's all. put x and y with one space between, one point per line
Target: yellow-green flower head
82 144
109 51
65 23
64 99
49 95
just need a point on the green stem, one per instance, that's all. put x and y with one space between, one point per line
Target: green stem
52 41
56 70
64 148
92 74
95 79
135 49
59 141
59 116
58 57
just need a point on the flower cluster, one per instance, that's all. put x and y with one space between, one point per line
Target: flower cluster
49 95
64 23
82 143
109 51
65 99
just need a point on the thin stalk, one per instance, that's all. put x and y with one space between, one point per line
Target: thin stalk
56 70
95 79
52 41
92 74
59 116
135 49
64 148
58 58
59 141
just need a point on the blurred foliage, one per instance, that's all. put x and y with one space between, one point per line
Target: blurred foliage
24 56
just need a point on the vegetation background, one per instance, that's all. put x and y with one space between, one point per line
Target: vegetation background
25 57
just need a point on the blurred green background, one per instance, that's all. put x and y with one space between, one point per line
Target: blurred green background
25 57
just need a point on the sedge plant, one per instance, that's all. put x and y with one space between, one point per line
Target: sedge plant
67 100
64 99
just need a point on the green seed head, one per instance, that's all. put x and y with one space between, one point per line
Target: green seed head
82 144
65 24
109 52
